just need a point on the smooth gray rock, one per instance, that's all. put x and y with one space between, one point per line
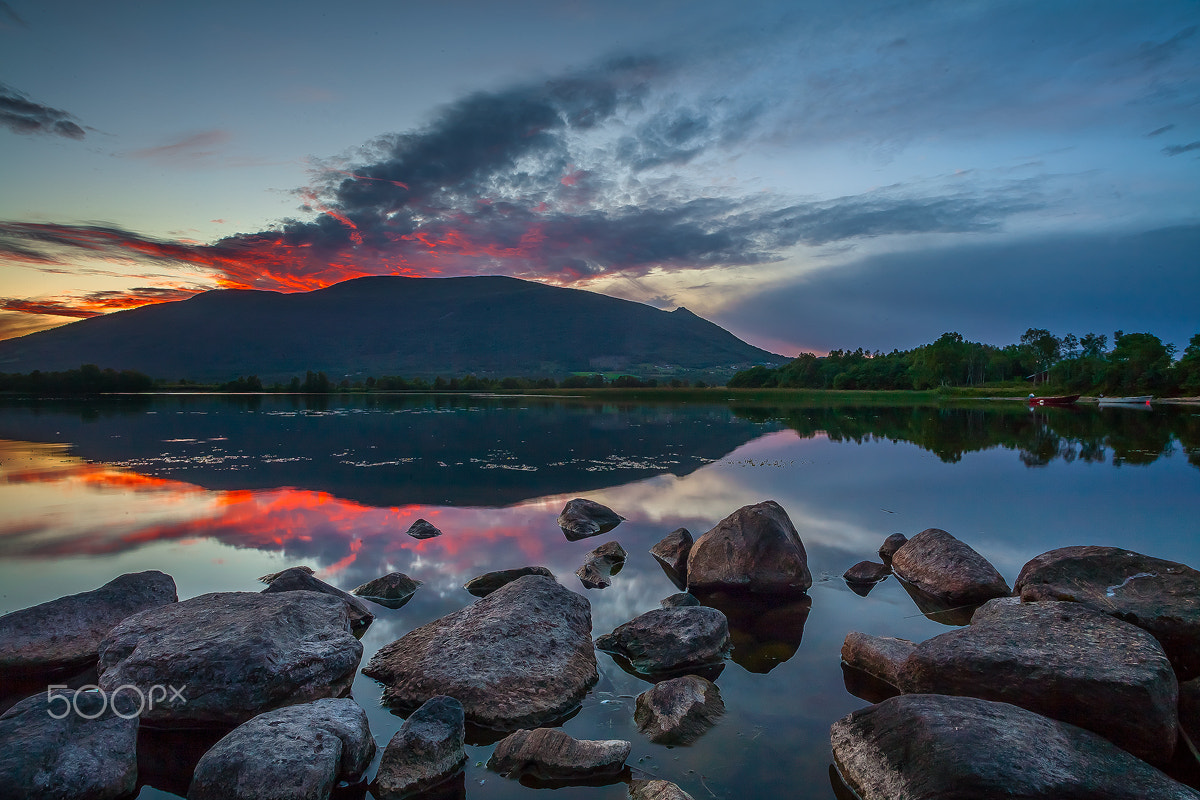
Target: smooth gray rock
890 545
679 599
393 586
672 553
656 790
297 580
880 656
551 755
942 567
237 653
299 752
755 549
42 757
866 572
1163 597
958 748
271 577
583 518
1062 660
489 582
678 711
64 635
423 529
428 749
600 565
666 640
520 656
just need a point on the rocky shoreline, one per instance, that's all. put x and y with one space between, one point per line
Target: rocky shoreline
1082 680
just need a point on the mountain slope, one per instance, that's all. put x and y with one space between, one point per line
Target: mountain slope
387 326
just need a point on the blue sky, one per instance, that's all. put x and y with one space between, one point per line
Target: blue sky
811 175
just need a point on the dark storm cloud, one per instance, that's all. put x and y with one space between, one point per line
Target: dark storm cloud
20 114
990 292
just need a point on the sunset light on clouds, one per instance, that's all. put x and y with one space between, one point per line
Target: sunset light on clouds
808 175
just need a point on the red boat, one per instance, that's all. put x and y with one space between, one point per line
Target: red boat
1060 400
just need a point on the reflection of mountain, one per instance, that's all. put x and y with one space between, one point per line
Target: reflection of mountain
389 451
1041 436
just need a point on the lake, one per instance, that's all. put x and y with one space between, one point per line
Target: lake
220 490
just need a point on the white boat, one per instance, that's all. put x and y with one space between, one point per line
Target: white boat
1140 400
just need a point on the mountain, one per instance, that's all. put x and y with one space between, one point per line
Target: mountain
489 326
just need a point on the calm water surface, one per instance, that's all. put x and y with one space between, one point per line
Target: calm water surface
217 491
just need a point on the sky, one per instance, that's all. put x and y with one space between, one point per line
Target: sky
810 175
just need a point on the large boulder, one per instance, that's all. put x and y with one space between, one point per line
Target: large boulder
671 552
1163 597
67 745
232 655
947 570
485 584
581 518
1061 660
64 635
934 746
295 753
428 749
297 579
520 656
667 640
678 711
600 565
754 549
552 755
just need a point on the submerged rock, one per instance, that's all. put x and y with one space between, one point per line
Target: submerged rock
297 580
600 565
671 552
520 656
393 586
666 640
64 635
1162 597
765 630
237 653
489 582
422 529
583 518
868 572
656 790
551 755
890 545
935 746
754 549
428 749
947 570
1061 660
50 749
299 752
678 711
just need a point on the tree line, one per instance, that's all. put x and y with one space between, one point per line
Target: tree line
1137 363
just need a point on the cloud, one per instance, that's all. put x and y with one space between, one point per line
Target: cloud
21 115
190 149
10 18
14 324
1180 149
93 304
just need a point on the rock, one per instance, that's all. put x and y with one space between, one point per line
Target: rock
866 572
428 749
72 756
64 635
422 529
237 653
667 640
882 657
1061 660
889 547
393 586
754 549
299 752
600 564
1189 712
489 582
551 755
1163 597
671 552
583 518
679 599
940 566
656 790
678 711
520 656
765 630
270 578
297 580
934 746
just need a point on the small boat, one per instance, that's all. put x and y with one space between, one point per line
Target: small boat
1059 400
1140 400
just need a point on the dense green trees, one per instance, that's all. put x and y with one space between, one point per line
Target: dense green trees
88 379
